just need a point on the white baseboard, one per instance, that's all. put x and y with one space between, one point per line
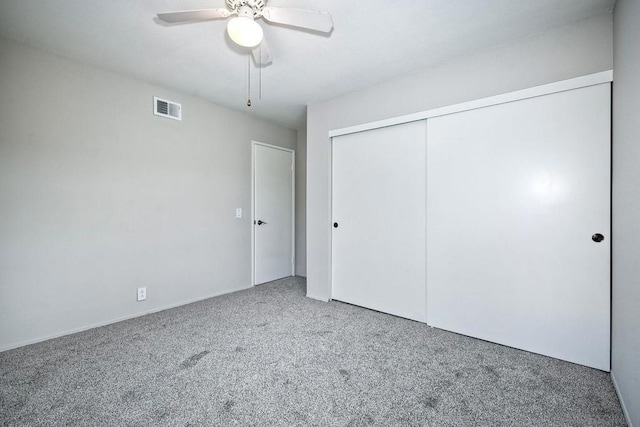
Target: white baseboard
119 319
627 416
317 298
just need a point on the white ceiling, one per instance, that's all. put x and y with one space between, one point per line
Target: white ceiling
372 41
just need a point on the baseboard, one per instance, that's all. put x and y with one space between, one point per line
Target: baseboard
119 319
627 416
317 298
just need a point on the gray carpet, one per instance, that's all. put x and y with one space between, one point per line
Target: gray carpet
269 356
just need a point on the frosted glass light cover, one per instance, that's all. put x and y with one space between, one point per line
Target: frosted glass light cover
245 31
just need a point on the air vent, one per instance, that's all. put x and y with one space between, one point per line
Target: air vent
168 109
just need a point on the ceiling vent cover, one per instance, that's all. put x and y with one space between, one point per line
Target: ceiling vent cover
168 109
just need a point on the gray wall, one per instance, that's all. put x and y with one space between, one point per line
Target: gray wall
575 50
625 354
301 203
99 197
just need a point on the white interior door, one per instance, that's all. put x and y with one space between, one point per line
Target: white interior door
378 247
273 212
514 194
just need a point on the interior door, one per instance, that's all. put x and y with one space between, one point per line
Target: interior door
378 241
517 196
273 212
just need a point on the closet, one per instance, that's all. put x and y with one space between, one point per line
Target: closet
490 219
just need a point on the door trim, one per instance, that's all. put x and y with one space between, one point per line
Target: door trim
253 212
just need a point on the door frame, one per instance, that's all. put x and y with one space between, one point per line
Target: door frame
253 206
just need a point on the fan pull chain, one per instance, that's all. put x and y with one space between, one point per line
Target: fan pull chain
249 80
260 73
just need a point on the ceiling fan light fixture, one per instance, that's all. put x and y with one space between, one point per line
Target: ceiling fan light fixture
244 31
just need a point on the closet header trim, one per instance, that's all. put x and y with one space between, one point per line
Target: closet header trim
561 86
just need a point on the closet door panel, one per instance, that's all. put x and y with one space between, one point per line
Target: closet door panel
378 202
515 193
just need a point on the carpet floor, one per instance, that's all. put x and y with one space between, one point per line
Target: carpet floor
269 356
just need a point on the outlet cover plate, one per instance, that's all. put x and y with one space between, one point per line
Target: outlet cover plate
142 294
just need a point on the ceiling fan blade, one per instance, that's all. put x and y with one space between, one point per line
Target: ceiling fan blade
262 54
309 19
193 15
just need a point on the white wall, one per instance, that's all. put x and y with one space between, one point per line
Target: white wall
98 196
625 354
301 203
578 49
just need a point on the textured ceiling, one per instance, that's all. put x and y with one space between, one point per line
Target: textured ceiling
372 41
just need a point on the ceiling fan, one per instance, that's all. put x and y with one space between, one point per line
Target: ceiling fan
243 28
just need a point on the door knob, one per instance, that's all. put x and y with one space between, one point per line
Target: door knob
260 222
597 237
335 225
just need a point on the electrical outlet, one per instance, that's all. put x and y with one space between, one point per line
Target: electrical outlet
238 212
142 294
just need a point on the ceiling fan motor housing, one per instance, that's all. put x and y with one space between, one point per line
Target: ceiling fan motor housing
255 5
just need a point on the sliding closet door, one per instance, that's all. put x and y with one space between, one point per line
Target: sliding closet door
378 247
518 202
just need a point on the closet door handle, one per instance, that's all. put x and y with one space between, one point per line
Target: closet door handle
597 237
